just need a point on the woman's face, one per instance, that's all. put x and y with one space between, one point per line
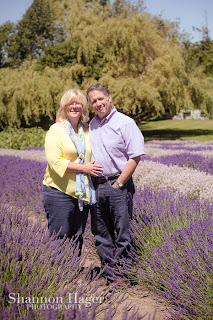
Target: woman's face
74 109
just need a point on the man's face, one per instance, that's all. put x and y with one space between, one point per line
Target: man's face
100 103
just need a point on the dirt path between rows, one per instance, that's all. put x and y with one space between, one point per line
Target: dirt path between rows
138 296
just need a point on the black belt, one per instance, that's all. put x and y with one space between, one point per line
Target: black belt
104 179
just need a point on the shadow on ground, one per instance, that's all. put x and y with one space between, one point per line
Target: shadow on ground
173 134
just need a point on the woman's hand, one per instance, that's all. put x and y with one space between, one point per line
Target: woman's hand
92 168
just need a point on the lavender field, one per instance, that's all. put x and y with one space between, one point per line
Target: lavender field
172 227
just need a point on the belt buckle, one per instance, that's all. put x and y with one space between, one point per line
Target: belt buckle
103 179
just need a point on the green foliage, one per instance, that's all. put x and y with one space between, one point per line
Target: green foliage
33 33
201 95
198 130
5 31
75 43
12 138
200 54
57 55
103 3
133 97
29 98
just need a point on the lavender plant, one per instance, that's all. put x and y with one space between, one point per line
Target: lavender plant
21 186
176 179
174 250
195 161
172 231
181 144
21 182
34 265
42 278
157 149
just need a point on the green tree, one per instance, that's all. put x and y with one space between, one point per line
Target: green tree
57 55
199 54
140 57
205 56
5 32
30 98
34 32
103 3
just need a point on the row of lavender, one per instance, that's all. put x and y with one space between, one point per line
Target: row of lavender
41 277
173 232
191 154
173 226
183 166
174 250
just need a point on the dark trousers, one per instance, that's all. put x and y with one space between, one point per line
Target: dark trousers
110 220
64 216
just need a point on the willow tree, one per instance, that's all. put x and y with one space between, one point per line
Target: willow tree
31 98
200 90
137 55
143 68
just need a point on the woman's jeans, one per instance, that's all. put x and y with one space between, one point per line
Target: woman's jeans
64 216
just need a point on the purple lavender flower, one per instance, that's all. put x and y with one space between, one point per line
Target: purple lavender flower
38 270
173 250
21 182
195 161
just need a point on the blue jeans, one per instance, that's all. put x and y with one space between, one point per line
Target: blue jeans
112 213
64 216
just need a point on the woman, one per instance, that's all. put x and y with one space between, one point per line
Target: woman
67 185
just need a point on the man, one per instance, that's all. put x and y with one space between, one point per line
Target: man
117 145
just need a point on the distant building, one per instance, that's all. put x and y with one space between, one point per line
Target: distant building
190 114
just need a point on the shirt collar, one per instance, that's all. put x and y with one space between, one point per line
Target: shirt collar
107 117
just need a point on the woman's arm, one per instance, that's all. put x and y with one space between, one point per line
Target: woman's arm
55 159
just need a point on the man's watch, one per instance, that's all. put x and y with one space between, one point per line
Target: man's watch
120 184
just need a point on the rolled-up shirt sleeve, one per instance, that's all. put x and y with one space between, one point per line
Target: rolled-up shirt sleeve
54 153
134 140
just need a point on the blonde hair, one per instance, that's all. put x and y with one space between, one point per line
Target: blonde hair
68 97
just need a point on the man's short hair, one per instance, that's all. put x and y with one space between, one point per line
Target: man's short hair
98 87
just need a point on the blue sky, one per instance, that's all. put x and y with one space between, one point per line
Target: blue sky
189 12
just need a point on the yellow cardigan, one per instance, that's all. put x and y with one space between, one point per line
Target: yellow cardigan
59 151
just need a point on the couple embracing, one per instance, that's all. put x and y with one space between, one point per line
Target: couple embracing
90 167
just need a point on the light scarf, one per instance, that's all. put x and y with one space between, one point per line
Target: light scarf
84 187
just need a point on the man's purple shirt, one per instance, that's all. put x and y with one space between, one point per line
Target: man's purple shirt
114 140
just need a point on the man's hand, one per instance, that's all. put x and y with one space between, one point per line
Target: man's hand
115 186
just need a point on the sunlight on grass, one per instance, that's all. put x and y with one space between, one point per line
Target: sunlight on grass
197 130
